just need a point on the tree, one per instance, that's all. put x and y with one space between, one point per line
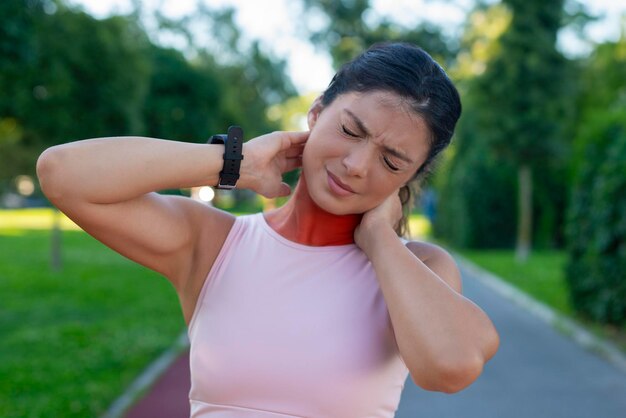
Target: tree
346 32
17 42
96 77
67 76
184 101
474 209
523 101
602 88
249 78
86 80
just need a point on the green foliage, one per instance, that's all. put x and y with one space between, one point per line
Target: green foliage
523 85
18 21
250 79
480 40
597 223
17 60
183 101
515 91
524 98
346 32
95 78
251 87
67 76
602 88
474 208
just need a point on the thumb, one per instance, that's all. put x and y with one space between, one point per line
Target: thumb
284 190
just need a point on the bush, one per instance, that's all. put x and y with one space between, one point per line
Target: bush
596 230
477 206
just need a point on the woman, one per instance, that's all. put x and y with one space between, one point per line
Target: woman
316 308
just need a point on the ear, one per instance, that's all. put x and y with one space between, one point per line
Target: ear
314 112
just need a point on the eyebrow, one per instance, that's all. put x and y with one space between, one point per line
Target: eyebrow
396 153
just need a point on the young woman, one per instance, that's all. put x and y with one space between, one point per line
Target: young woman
317 308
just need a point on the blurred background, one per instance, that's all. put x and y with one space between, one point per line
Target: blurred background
533 187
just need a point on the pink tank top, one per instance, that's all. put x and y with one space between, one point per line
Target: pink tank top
283 329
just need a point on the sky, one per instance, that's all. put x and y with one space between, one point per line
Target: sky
273 22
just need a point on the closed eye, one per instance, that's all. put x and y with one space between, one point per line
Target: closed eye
348 132
390 165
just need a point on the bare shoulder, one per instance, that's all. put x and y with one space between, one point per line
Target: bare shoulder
439 261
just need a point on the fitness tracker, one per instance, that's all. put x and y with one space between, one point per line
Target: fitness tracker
233 145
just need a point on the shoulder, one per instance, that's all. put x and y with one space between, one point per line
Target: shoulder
439 261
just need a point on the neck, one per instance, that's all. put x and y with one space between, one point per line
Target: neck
301 220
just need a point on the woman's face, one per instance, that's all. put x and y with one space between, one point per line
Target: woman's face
362 148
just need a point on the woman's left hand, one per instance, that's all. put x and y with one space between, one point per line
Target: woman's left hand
385 215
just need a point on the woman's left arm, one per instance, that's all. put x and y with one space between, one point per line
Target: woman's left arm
444 338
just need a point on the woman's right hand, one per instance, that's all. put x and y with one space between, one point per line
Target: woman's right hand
267 158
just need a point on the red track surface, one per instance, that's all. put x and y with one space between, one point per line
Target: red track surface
168 397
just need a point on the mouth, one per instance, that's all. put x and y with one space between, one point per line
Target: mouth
337 186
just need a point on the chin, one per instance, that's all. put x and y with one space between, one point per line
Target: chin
324 200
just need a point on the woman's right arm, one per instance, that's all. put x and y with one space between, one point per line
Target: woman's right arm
108 187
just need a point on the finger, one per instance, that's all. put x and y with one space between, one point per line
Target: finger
294 151
284 190
292 164
299 137
293 138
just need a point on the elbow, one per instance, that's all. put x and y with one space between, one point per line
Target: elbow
47 170
493 345
455 378
452 378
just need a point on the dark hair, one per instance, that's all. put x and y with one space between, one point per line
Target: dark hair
412 74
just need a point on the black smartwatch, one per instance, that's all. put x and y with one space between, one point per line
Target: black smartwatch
233 146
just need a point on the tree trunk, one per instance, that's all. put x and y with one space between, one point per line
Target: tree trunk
525 213
56 262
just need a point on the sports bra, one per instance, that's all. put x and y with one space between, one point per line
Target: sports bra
283 329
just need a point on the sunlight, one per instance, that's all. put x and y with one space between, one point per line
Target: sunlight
32 218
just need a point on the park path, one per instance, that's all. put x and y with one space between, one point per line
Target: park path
537 372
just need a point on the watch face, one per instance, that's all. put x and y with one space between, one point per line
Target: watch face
218 139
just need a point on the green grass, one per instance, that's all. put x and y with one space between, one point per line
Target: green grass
72 341
542 276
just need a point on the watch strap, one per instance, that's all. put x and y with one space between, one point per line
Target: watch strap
233 147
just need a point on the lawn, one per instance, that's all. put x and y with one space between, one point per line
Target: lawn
72 341
541 276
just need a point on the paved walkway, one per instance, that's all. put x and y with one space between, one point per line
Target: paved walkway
537 373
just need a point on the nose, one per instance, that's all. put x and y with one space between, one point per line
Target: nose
357 160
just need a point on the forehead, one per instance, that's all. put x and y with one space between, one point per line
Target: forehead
388 120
